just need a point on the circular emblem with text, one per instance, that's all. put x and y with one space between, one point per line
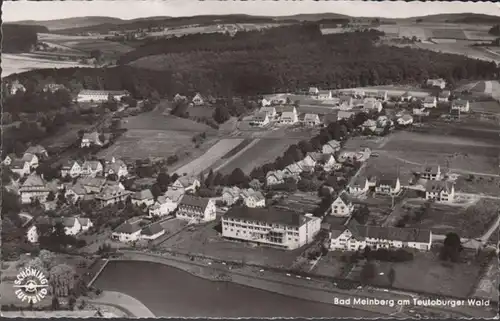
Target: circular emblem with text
31 285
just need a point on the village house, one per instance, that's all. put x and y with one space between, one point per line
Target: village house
91 139
186 183
421 112
230 195
388 186
163 206
444 96
111 195
198 100
252 198
129 231
34 188
406 97
382 95
9 159
115 167
331 147
346 102
270 226
270 111
289 116
92 168
405 120
342 114
264 102
100 95
275 178
455 114
370 125
431 173
143 197
383 121
370 105
293 170
71 168
353 156
260 119
32 159
311 159
53 87
342 206
313 91
324 94
329 163
359 186
20 167
74 192
436 83
354 236
37 150
430 102
196 209
16 86
440 191
152 232
461 105
92 184
311 120
72 226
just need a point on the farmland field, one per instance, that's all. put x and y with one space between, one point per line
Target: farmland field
85 44
156 121
17 63
209 158
448 33
264 151
138 144
486 107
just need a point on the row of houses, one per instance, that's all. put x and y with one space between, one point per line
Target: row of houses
29 160
94 168
249 197
72 226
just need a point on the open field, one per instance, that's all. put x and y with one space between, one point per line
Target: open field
486 107
331 265
478 184
157 121
487 287
210 157
461 47
64 137
205 240
264 151
426 273
470 222
137 144
425 30
85 43
17 63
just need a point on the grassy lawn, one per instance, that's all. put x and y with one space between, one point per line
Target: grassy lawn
487 287
485 106
331 265
477 184
204 240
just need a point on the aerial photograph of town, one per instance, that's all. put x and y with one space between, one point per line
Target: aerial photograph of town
266 159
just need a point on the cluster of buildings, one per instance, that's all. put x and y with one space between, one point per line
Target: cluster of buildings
249 197
99 96
328 159
72 225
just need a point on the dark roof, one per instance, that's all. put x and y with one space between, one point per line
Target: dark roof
267 215
194 201
345 198
388 233
438 186
388 181
129 227
152 229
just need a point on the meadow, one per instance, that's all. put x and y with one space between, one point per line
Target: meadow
18 63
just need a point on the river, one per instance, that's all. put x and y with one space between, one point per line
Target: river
170 292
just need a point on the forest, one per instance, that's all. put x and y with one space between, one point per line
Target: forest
19 38
283 59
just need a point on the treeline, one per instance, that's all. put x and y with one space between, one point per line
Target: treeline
283 59
20 38
495 30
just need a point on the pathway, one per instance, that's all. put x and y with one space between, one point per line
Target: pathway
124 302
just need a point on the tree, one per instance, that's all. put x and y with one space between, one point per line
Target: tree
51 196
156 190
368 272
452 247
163 180
237 177
61 280
71 303
96 54
392 276
55 303
221 114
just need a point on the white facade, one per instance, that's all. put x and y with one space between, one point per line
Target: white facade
274 178
405 120
20 167
32 159
91 168
331 147
440 191
324 95
430 102
260 119
33 188
388 187
196 209
430 173
342 206
360 187
272 229
73 170
461 105
311 120
289 118
186 183
270 111
99 95
198 100
162 207
127 237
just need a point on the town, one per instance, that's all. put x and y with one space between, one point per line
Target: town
371 192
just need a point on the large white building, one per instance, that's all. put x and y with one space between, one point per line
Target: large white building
33 188
271 226
461 105
354 236
100 95
440 191
196 209
342 206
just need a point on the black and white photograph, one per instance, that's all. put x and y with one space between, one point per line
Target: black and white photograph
264 159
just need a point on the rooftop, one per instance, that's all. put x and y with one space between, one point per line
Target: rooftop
194 201
267 215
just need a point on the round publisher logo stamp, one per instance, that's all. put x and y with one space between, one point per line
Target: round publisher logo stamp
31 285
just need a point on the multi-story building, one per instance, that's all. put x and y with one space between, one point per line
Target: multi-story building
270 226
143 197
71 168
440 191
436 83
92 168
431 173
20 167
112 195
311 120
388 186
461 105
354 236
196 209
331 147
116 167
270 111
260 119
430 102
33 188
324 94
342 205
186 183
100 95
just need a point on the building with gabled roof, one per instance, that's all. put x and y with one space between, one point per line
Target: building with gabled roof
252 198
92 168
101 95
37 150
359 186
71 168
196 209
313 91
440 191
91 139
260 119
430 172
324 94
111 195
270 226
388 185
129 231
269 110
353 237
461 105
32 159
342 205
430 102
20 167
437 83
311 120
331 147
116 167
186 183
152 231
444 96
143 197
163 206
34 187
275 178
198 99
